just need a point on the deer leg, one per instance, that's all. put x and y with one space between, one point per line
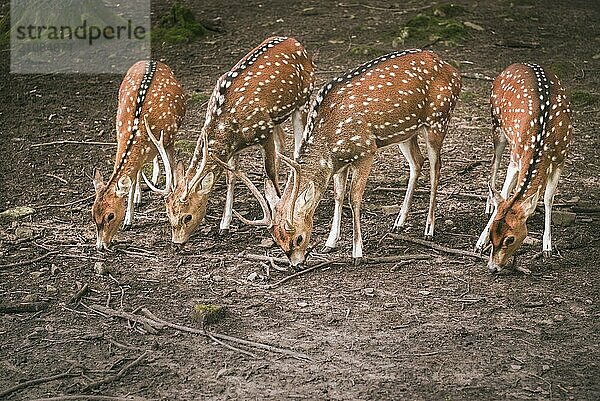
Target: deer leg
548 201
128 220
410 150
155 170
228 210
434 140
360 174
339 192
271 159
298 122
137 194
499 146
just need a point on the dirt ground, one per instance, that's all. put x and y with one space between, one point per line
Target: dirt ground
435 328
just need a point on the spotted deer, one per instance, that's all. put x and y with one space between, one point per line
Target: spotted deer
246 108
384 102
531 113
150 99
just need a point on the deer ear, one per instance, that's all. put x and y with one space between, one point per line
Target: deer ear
495 196
123 186
97 180
306 197
528 205
206 183
179 172
271 194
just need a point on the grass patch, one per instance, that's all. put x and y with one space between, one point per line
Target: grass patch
179 26
438 24
467 96
185 147
367 50
208 313
585 98
197 98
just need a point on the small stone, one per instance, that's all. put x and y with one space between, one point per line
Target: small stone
424 292
516 367
531 241
557 300
16 213
50 289
266 243
390 210
31 298
448 222
563 218
370 292
101 269
545 368
302 304
37 274
473 25
252 276
24 232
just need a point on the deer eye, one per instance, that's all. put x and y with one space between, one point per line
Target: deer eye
187 219
508 241
299 240
110 217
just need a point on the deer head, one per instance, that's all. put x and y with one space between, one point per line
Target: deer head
109 207
508 229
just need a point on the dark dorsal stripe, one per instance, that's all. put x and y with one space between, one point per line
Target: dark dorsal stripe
225 82
137 112
537 142
343 79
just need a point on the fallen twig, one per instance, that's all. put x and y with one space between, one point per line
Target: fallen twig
87 198
300 273
119 375
264 258
7 307
33 382
438 247
426 191
30 261
476 75
128 316
225 337
85 397
231 347
79 294
70 142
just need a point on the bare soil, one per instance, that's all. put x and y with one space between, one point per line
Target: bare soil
434 328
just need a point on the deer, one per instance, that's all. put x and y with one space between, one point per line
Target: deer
530 112
246 109
150 99
387 101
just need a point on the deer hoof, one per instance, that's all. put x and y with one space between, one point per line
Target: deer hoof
396 229
127 226
547 254
327 249
223 232
357 261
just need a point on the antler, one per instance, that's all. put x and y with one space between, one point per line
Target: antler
160 147
200 169
295 188
266 220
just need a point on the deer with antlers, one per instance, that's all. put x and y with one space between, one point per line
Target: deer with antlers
384 102
531 113
150 99
246 108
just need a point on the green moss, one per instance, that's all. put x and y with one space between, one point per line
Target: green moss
438 24
185 148
562 69
585 98
208 313
179 26
198 97
467 96
367 50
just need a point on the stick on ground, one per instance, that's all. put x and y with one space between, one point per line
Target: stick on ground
8 307
28 262
119 375
33 382
437 247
